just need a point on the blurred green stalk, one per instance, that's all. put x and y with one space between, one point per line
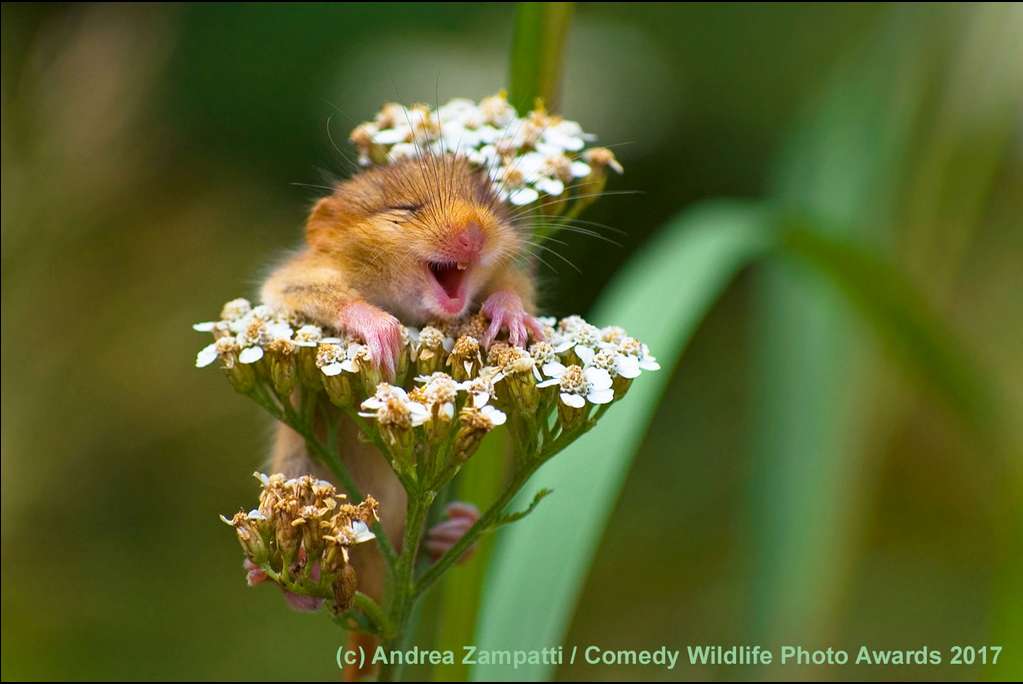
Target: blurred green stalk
537 50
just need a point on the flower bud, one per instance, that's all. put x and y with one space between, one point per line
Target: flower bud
599 159
397 417
402 362
240 375
249 535
572 407
369 372
465 359
344 587
475 327
370 151
474 424
288 529
430 351
283 369
339 388
307 339
521 380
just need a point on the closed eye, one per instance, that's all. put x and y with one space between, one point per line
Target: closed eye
412 208
401 213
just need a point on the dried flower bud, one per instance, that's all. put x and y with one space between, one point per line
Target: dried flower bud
250 534
465 360
475 327
430 351
343 588
474 424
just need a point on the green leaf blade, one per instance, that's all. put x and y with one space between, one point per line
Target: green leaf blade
660 297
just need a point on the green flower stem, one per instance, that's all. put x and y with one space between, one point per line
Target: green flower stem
473 534
525 468
374 613
402 595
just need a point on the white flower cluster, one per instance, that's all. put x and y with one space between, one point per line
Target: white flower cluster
527 157
446 381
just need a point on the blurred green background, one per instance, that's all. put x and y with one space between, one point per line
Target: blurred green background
797 487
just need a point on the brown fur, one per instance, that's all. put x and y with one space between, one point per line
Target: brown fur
370 240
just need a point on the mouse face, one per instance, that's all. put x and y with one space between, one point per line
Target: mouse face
420 238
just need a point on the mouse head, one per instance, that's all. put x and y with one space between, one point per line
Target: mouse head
419 238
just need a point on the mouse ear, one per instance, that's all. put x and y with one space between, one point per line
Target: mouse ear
323 222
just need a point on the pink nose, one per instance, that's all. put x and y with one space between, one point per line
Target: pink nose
468 243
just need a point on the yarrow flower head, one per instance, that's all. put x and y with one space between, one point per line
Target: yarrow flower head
451 366
300 536
536 156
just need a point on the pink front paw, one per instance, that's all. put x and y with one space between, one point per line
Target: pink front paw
379 330
442 536
504 309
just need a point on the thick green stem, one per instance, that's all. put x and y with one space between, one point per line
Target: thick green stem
402 595
473 534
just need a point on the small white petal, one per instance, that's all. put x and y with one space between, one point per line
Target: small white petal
448 409
254 514
333 369
496 416
280 330
548 383
392 135
573 400
604 396
551 186
523 196
553 369
649 363
628 367
579 169
362 533
207 356
448 344
468 366
584 353
208 326
564 346
598 378
420 414
251 354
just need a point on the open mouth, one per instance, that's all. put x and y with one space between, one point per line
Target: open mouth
449 284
